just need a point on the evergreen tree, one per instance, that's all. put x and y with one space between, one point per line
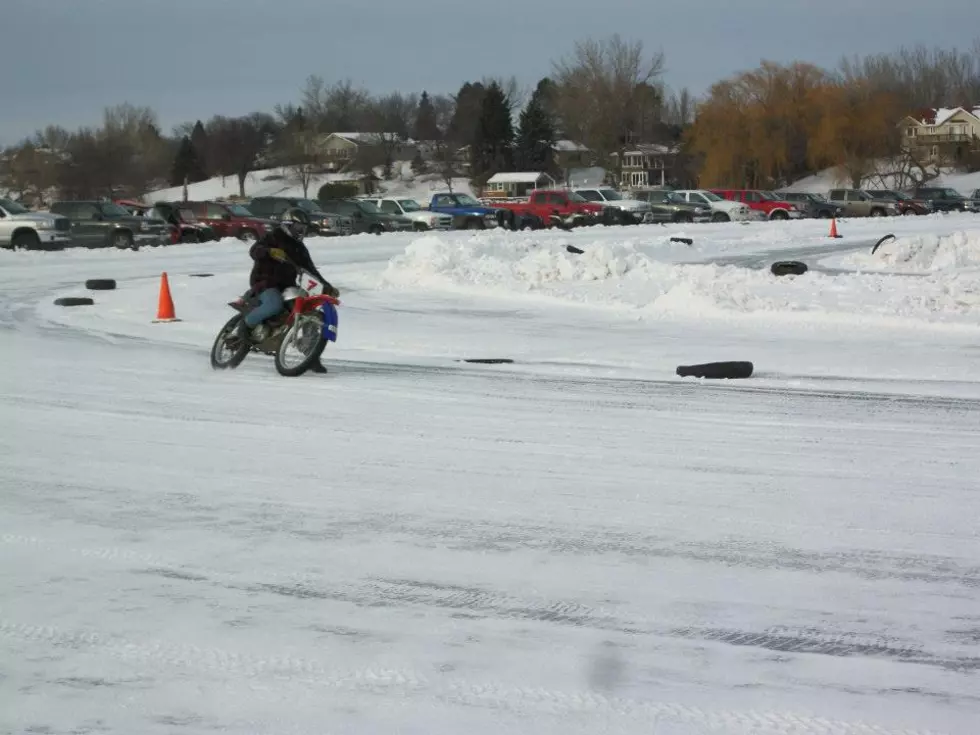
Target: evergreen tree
462 127
199 139
426 127
419 166
536 134
186 165
493 143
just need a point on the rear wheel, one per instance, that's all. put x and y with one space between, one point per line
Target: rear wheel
779 214
683 217
123 241
229 349
720 217
877 212
301 346
248 235
474 224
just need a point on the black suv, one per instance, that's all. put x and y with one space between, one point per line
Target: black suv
323 224
366 216
813 205
100 224
944 199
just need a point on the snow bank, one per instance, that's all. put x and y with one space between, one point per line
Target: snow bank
622 277
922 253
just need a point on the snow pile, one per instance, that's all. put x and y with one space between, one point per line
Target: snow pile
922 253
622 277
513 265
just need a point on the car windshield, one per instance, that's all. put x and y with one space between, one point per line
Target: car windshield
13 207
467 200
369 207
308 205
188 215
110 209
410 205
951 193
573 197
611 195
239 211
711 196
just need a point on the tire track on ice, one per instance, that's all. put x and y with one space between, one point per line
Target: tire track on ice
467 601
314 674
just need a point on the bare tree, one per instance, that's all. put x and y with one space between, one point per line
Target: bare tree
390 118
602 91
237 144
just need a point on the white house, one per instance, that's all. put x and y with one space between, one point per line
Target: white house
516 184
942 135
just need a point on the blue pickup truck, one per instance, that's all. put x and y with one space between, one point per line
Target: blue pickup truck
467 212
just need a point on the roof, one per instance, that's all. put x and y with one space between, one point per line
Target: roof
939 115
368 137
517 177
646 148
569 146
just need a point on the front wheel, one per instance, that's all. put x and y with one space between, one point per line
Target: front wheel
228 349
301 346
123 241
720 217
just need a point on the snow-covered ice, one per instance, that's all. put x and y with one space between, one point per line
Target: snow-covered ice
578 542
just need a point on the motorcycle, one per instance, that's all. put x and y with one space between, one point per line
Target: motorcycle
306 324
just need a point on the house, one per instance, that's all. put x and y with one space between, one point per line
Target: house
942 135
568 155
646 165
516 184
339 150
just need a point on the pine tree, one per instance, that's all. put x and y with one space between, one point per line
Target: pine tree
199 139
493 143
426 128
466 116
187 165
536 134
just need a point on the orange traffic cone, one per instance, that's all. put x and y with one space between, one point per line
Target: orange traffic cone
833 228
165 307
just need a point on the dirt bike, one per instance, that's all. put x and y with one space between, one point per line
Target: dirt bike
306 324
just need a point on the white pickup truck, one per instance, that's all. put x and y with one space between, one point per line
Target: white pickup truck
422 219
22 228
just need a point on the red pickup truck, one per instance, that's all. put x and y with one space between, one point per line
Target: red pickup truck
761 201
556 208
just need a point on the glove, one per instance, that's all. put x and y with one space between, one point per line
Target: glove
278 254
330 290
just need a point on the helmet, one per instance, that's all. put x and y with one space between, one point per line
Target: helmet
295 223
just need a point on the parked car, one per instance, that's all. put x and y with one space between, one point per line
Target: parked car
667 206
556 208
637 210
365 216
22 228
410 209
812 205
944 199
189 228
859 203
766 202
722 210
467 212
906 204
323 223
100 224
230 220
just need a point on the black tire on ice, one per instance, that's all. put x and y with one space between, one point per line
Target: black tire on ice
100 284
788 268
685 240
573 249
717 370
201 275
878 244
74 301
489 360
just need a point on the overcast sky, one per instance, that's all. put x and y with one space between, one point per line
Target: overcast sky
63 61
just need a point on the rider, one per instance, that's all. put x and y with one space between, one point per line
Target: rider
277 255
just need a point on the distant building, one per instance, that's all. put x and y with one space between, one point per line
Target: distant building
517 184
942 135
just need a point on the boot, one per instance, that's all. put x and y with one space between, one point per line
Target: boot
317 367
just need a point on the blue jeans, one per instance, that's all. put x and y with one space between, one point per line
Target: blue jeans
270 304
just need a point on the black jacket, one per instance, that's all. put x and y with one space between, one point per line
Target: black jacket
267 272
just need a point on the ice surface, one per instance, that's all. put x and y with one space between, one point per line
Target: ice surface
579 542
